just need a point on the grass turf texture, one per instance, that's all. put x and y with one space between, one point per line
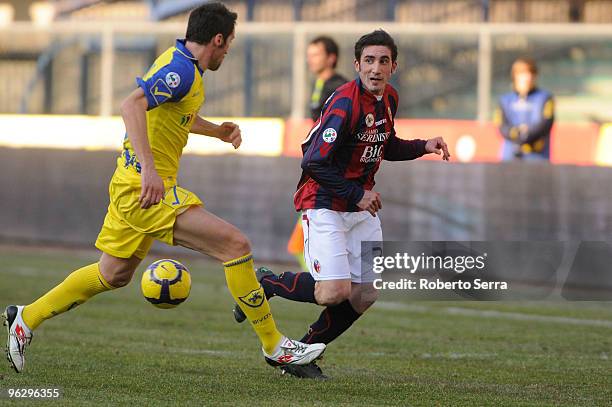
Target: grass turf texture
118 349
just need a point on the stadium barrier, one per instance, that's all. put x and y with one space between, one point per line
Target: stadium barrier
106 133
469 141
473 141
56 196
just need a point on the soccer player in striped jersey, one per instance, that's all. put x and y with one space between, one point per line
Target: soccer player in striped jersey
146 204
342 154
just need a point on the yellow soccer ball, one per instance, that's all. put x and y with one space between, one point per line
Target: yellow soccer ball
166 283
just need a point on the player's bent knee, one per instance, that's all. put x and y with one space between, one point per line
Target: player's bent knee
119 279
332 294
118 272
238 245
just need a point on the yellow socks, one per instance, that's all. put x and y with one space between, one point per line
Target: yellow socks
77 288
249 294
86 282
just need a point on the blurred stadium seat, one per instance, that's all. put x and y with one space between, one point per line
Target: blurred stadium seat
117 10
454 61
58 69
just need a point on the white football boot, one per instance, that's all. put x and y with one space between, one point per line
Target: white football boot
19 336
289 352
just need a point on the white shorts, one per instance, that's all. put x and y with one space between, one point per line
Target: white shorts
332 243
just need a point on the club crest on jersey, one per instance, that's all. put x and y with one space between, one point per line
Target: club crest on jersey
369 120
173 79
253 299
317 266
329 135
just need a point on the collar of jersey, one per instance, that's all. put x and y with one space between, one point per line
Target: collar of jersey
180 47
366 92
531 92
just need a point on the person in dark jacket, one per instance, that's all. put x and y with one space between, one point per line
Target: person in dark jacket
322 57
525 116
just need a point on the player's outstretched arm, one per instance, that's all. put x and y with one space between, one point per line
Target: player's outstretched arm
133 111
227 131
404 150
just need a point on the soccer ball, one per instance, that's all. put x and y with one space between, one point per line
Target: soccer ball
166 283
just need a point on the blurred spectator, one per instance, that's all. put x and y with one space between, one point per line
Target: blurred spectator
525 116
576 11
322 57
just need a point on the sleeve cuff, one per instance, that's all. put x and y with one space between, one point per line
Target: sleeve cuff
421 147
151 102
357 195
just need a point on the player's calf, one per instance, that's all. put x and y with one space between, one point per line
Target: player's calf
363 296
292 286
260 274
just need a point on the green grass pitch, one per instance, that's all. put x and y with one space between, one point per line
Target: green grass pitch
117 349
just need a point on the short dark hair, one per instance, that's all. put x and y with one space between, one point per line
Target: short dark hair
378 37
530 62
331 46
209 20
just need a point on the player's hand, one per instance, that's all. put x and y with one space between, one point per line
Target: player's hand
438 146
152 189
370 202
230 133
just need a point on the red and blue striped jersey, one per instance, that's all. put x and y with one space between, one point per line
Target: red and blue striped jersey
346 145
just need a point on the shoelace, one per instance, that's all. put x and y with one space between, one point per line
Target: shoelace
299 348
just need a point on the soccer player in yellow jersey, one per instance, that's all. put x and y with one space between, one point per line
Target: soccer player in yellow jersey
147 204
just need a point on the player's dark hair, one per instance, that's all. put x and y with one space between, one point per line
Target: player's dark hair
331 46
530 62
378 37
209 20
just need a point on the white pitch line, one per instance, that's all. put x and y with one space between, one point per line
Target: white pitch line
400 306
200 351
517 316
449 355
527 317
455 355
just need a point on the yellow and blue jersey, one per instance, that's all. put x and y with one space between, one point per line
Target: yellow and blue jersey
537 112
174 90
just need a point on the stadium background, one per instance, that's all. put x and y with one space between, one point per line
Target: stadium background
66 65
